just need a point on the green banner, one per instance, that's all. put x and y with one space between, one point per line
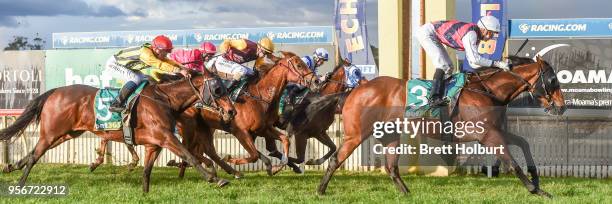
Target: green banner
67 67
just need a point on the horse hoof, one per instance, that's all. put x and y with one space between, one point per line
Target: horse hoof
298 170
131 167
238 175
542 193
222 182
277 169
92 167
7 168
172 163
311 162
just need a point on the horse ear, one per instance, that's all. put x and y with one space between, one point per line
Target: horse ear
539 59
346 62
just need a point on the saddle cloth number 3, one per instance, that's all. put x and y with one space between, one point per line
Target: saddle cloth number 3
420 93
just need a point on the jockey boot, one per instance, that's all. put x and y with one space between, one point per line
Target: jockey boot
119 104
239 84
437 90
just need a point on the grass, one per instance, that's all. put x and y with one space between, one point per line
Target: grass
114 184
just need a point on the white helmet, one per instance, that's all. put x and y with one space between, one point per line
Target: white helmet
489 23
321 53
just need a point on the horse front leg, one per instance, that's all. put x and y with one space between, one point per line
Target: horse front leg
135 159
101 151
327 141
246 141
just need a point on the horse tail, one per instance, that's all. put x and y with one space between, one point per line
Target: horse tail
30 114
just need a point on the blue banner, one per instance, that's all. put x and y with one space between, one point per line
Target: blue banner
547 28
492 48
352 35
114 39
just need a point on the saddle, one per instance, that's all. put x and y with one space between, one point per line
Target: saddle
107 120
418 93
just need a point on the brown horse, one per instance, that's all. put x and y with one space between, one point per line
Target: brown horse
383 99
153 127
256 111
256 114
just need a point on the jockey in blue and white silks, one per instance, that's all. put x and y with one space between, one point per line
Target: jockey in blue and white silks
353 75
318 57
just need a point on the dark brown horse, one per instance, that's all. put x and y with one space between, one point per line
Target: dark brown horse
65 113
383 99
313 117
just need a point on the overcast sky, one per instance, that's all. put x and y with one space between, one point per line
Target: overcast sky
28 17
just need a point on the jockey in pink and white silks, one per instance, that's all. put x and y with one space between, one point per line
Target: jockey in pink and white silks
235 53
460 36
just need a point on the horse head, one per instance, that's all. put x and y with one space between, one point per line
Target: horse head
543 85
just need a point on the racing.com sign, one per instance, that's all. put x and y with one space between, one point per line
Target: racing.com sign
535 28
117 39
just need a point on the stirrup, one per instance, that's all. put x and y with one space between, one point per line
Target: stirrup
116 109
438 102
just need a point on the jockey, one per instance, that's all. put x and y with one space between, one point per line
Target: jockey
208 51
317 59
319 56
353 76
460 36
128 63
195 58
235 53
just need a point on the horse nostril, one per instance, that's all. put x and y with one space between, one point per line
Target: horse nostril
317 81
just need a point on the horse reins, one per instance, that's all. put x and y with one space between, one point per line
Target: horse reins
529 87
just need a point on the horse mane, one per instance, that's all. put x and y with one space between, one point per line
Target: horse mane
516 60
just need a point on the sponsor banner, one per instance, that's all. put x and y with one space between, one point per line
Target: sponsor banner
83 66
283 35
115 39
351 32
68 67
493 48
20 78
584 69
543 28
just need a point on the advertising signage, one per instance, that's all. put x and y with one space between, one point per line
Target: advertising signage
116 39
552 28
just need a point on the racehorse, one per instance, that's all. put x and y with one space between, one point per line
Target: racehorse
312 118
65 113
255 115
374 101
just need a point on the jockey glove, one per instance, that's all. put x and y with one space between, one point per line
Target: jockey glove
502 65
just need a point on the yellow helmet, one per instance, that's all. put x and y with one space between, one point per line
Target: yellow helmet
266 44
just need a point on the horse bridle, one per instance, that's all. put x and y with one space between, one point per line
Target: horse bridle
529 86
328 79
302 77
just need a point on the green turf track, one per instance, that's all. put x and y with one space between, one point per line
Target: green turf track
114 184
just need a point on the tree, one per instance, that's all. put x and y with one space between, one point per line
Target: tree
21 43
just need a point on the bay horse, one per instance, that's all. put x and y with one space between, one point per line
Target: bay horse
384 99
190 126
66 112
255 116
